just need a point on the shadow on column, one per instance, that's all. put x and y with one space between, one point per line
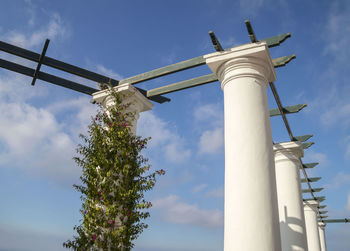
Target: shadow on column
292 239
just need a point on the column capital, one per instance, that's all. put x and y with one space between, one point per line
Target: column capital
311 205
322 224
242 61
139 102
288 150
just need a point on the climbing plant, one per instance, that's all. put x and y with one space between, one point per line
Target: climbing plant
114 178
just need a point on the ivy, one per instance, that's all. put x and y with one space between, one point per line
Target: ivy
114 178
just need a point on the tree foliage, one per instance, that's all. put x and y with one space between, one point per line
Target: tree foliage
114 178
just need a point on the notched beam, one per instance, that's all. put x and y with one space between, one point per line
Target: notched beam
303 138
320 198
311 179
310 165
314 190
282 61
287 110
307 145
276 40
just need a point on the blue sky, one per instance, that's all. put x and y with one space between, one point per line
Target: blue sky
39 125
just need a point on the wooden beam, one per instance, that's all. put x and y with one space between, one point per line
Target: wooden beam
303 138
276 40
314 190
320 198
310 165
310 179
282 61
307 145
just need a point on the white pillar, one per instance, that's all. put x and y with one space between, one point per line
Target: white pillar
313 238
290 202
321 231
139 103
251 212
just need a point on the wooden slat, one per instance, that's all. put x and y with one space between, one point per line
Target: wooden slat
303 138
311 179
323 212
182 85
310 165
314 190
322 206
276 40
282 61
320 198
288 110
307 145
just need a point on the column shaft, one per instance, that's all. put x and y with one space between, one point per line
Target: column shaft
251 213
290 202
313 238
321 230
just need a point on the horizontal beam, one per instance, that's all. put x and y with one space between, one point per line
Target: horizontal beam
345 220
276 40
30 55
310 179
307 145
303 138
322 206
320 198
322 216
314 190
47 77
183 85
310 165
287 110
282 61
323 212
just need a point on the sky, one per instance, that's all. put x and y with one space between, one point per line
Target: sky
39 125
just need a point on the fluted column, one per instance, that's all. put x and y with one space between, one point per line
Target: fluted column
313 238
251 212
321 231
290 202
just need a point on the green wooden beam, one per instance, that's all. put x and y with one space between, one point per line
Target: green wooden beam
323 212
345 220
314 190
282 61
182 85
311 179
303 138
323 216
307 145
287 110
276 40
320 198
310 165
322 206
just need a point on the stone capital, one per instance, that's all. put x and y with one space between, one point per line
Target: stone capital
288 151
249 60
311 205
321 224
139 102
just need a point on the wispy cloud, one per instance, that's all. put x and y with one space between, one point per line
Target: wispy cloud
172 144
176 211
338 180
199 188
108 72
216 193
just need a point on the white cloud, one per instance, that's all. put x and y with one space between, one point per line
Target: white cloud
211 141
338 180
216 193
176 211
54 29
209 112
149 125
108 72
312 156
348 203
199 188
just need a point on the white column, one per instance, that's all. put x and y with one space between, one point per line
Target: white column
290 202
321 231
139 103
313 238
251 212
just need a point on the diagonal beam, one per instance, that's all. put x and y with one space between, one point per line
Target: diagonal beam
287 110
47 77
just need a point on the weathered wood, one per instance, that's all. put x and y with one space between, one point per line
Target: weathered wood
311 179
287 110
182 85
184 65
276 40
303 138
310 165
282 61
307 145
314 190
